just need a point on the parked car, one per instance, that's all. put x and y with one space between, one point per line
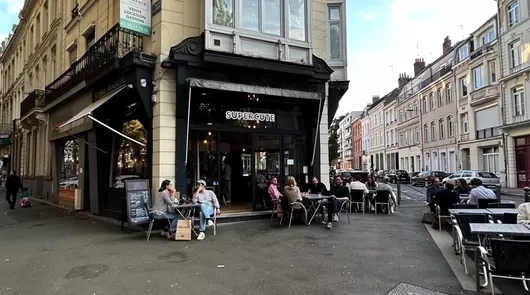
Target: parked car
119 181
488 179
425 177
396 175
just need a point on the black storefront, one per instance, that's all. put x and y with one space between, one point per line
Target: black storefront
101 115
260 117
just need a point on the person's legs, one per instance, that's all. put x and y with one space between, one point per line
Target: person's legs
227 191
13 199
332 208
8 198
174 219
207 212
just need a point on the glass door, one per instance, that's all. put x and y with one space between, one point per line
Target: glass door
294 162
267 165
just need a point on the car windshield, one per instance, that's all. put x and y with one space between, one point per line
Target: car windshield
486 175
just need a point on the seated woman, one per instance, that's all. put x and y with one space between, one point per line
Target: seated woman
208 201
275 195
164 203
461 187
292 192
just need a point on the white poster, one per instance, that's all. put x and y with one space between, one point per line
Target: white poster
135 15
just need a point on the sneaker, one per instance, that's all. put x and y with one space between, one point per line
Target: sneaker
201 236
210 223
329 225
335 218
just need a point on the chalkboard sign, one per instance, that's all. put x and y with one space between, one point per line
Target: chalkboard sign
137 198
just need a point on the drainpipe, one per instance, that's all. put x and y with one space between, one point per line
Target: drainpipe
502 92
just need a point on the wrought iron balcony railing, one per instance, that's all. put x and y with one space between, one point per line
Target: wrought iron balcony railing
488 132
107 51
33 101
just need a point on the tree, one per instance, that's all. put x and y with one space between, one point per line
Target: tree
222 13
333 140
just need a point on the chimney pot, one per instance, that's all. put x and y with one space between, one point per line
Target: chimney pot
446 46
419 65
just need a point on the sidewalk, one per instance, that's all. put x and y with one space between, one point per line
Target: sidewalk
67 253
516 192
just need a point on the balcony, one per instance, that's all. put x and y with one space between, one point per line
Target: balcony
34 101
518 68
517 120
104 55
484 94
464 137
488 133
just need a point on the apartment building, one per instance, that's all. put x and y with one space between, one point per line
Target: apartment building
391 139
514 22
357 129
438 113
29 61
366 140
476 72
407 110
345 140
375 115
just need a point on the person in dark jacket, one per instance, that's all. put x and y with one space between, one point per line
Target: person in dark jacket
445 198
339 191
317 187
13 183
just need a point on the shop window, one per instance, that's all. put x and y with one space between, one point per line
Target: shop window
70 165
130 160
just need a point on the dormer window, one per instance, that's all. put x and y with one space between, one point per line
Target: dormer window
463 52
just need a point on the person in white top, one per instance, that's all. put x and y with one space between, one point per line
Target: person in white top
358 185
478 191
523 216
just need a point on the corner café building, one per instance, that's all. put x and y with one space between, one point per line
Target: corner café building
259 116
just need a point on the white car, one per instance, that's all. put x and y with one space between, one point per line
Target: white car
488 179
119 181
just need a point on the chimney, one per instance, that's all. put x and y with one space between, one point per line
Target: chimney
419 65
375 98
403 80
446 45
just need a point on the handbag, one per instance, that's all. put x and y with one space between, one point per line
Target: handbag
428 217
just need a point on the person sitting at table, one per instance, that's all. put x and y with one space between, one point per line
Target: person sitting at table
432 189
478 191
445 198
292 192
371 184
208 201
461 187
275 195
339 191
317 187
163 205
383 186
356 184
523 214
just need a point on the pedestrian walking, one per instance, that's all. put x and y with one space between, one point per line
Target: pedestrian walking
13 183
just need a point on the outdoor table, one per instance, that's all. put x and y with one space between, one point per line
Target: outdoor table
181 207
501 211
468 211
498 229
315 204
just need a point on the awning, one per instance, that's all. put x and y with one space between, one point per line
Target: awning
82 116
86 114
227 86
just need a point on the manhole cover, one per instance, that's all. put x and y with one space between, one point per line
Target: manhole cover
408 289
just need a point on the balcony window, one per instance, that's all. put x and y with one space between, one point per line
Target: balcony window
416 109
513 13
431 100
433 131
463 52
493 71
464 127
488 37
515 53
478 77
90 38
490 157
441 128
448 93
450 126
439 95
518 101
335 31
463 86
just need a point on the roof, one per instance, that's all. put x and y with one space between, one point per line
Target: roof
388 97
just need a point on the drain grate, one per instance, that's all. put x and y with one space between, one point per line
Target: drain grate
408 289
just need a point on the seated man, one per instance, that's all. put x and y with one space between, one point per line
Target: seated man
445 198
478 191
209 203
339 191
523 215
383 186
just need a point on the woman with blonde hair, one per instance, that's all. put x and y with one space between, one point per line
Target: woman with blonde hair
292 192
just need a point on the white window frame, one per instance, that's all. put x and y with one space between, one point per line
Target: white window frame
513 13
493 71
433 131
425 132
236 28
416 134
431 101
462 80
441 128
518 97
478 77
464 118
463 52
515 54
488 37
450 126
448 94
340 23
440 97
490 157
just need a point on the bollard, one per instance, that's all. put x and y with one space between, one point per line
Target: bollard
497 191
398 193
526 194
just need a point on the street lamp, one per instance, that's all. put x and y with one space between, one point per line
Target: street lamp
421 135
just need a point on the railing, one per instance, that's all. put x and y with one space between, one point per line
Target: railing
115 44
435 76
517 119
464 137
476 53
519 67
488 132
486 92
34 100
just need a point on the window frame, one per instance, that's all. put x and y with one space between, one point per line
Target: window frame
448 94
439 94
517 99
425 132
450 127
492 68
514 48
464 91
441 128
464 118
488 37
480 75
431 101
513 10
339 22
433 131
463 52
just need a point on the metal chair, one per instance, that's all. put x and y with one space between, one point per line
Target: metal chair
357 197
382 198
501 205
484 203
341 202
509 259
154 215
440 217
465 239
291 208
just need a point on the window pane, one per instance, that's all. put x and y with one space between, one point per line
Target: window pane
250 19
297 26
334 13
272 17
334 41
223 12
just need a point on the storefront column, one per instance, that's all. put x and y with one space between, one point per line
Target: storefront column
182 93
510 162
322 149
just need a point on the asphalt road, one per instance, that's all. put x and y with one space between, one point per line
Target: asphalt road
45 250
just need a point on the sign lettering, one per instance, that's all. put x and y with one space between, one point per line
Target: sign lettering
135 15
249 116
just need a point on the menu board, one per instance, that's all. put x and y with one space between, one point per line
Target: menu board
138 200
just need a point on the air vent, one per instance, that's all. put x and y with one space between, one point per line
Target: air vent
216 42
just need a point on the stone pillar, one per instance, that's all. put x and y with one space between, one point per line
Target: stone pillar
511 174
324 148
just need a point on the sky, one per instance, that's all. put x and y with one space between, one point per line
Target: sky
385 36
12 7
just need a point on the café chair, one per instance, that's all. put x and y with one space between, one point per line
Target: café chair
382 198
154 215
465 239
502 205
484 203
290 209
357 198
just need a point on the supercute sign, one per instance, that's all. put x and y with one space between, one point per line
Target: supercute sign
249 116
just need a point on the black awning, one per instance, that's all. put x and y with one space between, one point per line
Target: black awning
336 90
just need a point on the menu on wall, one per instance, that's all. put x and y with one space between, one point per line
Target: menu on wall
137 198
